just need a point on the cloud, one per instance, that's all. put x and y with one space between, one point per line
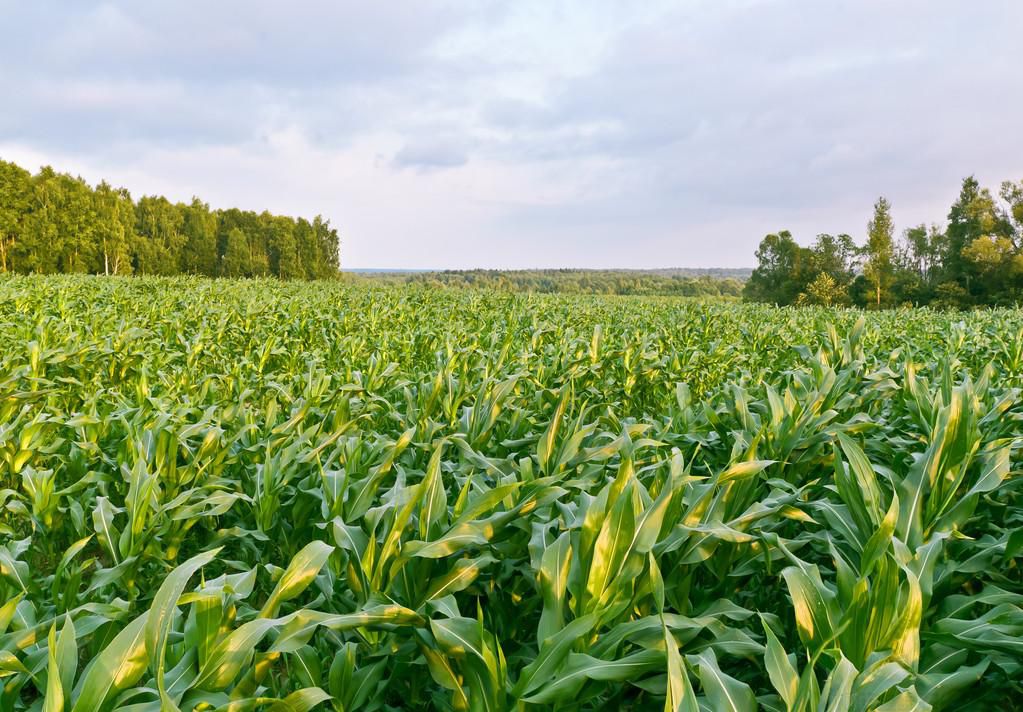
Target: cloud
428 155
535 133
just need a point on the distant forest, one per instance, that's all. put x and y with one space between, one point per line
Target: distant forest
53 222
975 259
673 282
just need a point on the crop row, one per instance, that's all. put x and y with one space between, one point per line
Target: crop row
247 495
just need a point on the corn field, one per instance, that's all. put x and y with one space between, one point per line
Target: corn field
254 495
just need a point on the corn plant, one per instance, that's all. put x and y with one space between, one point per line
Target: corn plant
258 495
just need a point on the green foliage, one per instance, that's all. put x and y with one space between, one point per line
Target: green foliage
878 265
248 495
680 283
976 261
824 291
784 269
52 222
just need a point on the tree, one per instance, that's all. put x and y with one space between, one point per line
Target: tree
950 295
824 291
878 267
328 248
973 215
160 236
199 227
998 265
250 240
59 232
989 254
1012 193
834 256
15 200
78 223
305 243
54 222
235 262
115 227
284 258
783 270
40 243
976 260
911 253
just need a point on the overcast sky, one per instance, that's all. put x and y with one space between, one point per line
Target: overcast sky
526 133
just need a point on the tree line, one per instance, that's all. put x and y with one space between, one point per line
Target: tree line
975 259
572 281
54 222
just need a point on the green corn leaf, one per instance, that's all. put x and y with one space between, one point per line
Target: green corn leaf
227 659
813 606
552 653
742 470
303 568
836 694
724 693
783 674
553 581
119 666
163 610
54 700
301 700
460 577
679 696
580 667
880 541
906 701
875 682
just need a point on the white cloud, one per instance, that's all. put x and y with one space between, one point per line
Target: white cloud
589 133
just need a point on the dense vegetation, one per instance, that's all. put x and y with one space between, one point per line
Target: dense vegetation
976 259
681 283
226 493
52 222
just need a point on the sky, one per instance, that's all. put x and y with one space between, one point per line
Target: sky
534 133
